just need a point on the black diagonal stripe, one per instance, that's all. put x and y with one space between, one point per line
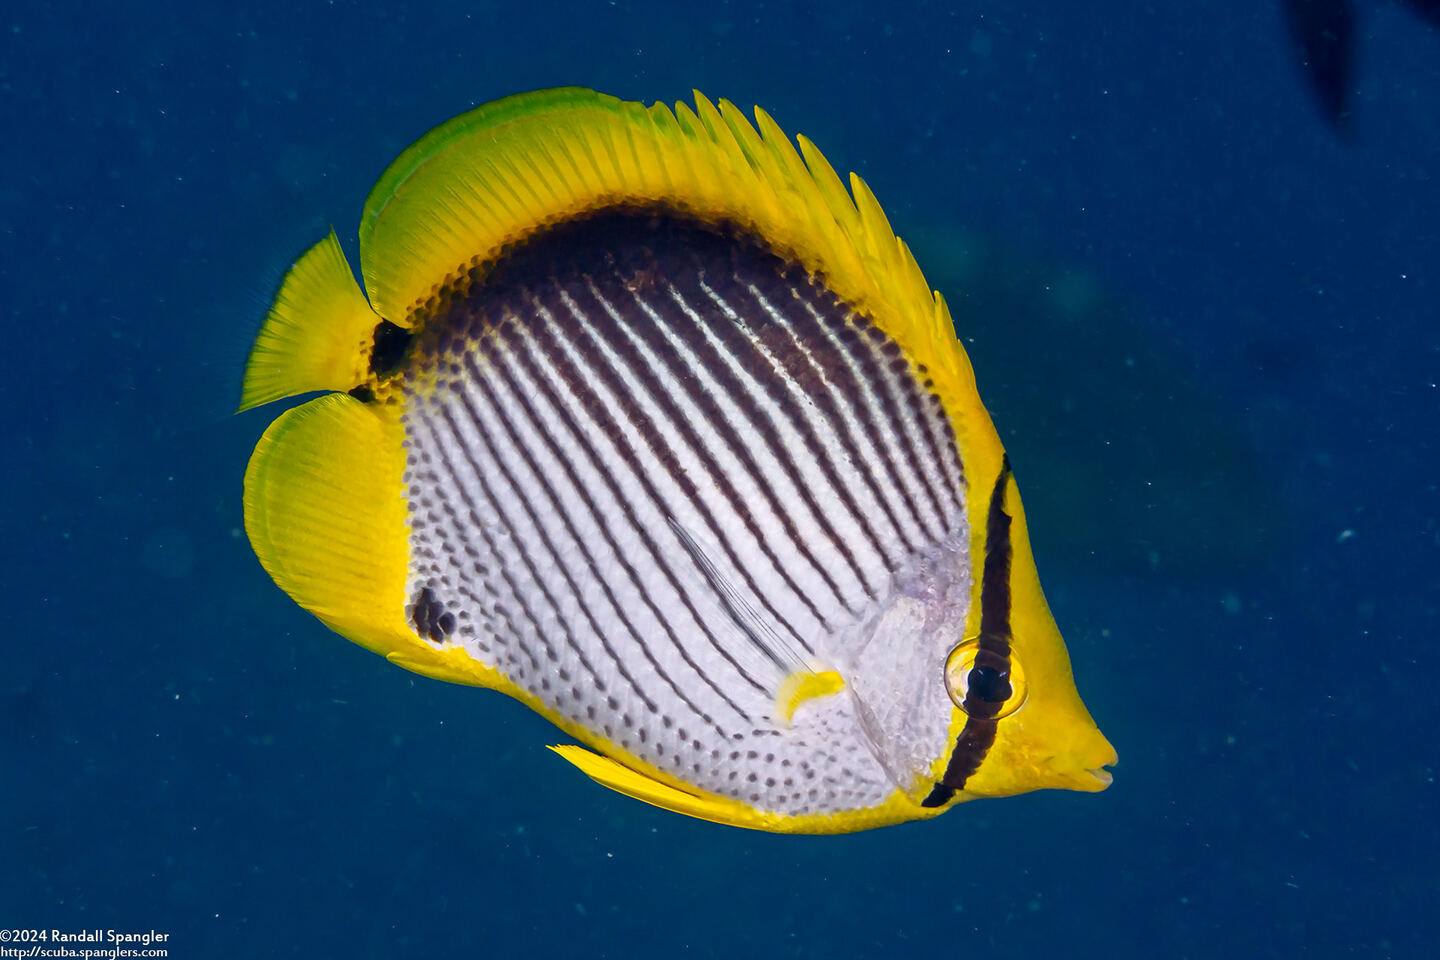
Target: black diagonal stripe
941 434
807 356
709 407
978 734
899 379
669 458
849 331
537 379
838 363
525 559
526 504
742 346
578 383
941 428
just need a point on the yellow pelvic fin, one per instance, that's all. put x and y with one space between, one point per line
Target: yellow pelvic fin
705 806
803 685
318 334
622 779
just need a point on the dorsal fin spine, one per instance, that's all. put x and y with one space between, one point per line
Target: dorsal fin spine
491 177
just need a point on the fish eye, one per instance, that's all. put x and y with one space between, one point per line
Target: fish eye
983 683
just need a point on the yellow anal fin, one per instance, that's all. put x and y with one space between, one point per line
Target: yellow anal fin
324 512
318 334
622 779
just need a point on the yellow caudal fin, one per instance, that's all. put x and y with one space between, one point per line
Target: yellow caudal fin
622 779
318 334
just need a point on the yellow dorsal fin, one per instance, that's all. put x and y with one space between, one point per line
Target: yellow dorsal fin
318 333
491 177
497 174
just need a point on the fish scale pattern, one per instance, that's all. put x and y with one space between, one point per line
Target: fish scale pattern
654 470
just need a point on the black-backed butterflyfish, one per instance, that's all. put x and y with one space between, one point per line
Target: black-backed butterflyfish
645 420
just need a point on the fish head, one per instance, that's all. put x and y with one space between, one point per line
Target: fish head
1043 735
910 684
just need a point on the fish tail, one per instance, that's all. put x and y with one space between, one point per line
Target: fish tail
318 333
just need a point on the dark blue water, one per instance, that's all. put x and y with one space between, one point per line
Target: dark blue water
1206 325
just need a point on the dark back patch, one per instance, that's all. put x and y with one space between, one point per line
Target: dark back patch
635 248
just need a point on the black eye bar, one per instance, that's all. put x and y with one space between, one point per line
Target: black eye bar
993 660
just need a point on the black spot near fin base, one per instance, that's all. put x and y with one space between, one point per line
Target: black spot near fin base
430 618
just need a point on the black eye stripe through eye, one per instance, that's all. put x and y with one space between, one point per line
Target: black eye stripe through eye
984 682
989 684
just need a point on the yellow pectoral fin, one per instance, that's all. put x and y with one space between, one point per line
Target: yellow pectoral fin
803 686
621 778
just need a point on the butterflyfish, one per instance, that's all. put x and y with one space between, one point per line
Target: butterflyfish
645 420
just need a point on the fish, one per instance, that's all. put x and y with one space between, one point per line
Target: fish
1322 34
645 420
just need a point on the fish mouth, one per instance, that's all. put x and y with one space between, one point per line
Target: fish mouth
1103 777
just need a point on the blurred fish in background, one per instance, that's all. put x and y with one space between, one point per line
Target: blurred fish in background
1323 32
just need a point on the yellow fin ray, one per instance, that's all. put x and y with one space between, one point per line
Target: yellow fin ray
317 334
790 168
879 239
718 132
746 137
677 178
829 185
706 172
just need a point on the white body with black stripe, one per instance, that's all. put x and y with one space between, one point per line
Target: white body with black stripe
653 477
645 421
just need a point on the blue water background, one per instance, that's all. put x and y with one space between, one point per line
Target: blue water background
182 748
